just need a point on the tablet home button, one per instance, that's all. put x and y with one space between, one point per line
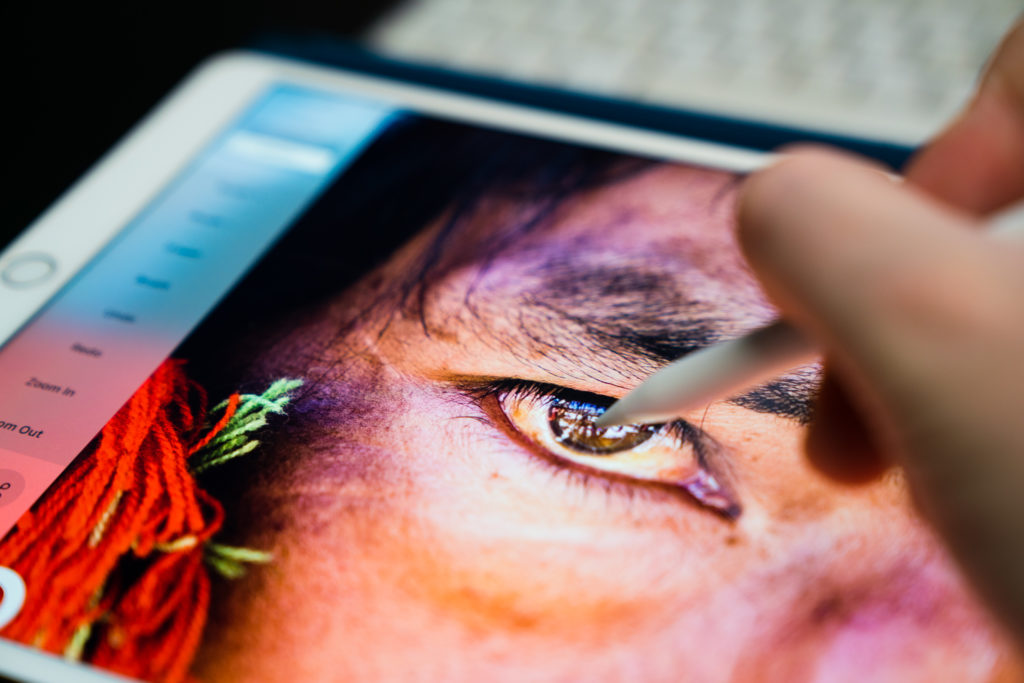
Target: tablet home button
27 270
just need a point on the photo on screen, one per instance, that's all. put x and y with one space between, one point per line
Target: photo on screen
376 460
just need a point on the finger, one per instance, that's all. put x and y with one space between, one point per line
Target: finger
849 255
921 318
838 443
977 163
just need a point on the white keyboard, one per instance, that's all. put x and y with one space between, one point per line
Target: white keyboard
892 70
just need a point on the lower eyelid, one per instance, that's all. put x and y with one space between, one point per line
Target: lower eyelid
492 408
582 487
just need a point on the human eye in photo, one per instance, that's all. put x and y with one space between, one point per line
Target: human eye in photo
557 424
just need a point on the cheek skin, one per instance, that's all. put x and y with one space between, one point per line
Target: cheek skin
450 541
459 545
866 585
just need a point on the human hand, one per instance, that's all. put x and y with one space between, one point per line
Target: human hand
922 319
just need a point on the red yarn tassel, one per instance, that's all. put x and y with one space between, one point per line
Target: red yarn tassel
113 553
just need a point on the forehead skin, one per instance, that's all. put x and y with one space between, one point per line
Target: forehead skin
414 540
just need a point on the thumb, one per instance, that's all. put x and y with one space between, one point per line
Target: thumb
920 318
976 162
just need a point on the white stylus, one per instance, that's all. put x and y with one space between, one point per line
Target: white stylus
727 369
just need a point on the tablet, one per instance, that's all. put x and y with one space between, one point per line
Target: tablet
299 383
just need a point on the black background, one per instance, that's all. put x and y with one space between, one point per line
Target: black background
78 75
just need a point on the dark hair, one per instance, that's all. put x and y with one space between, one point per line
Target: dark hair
412 173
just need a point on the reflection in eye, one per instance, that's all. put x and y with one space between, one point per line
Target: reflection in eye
561 423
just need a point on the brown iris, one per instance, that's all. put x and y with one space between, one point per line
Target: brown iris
572 424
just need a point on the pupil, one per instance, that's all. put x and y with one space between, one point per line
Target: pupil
572 423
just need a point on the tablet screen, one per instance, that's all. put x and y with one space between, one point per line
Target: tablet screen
324 411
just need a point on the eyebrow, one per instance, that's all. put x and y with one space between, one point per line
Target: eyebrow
637 315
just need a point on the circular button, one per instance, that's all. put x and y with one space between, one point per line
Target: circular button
27 270
11 486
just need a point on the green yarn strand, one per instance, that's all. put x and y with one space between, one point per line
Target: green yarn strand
230 561
235 439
